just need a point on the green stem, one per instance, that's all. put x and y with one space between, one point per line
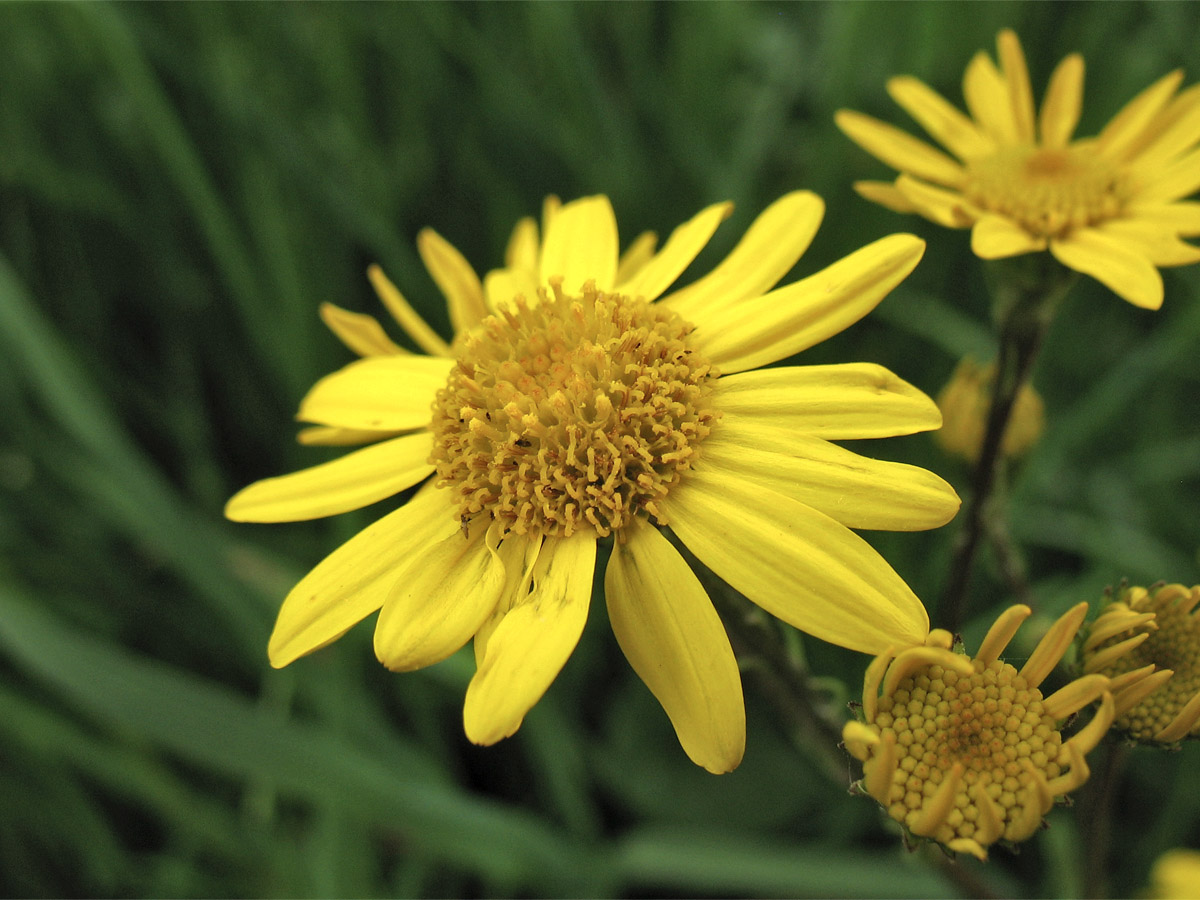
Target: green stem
1097 816
1004 548
1027 292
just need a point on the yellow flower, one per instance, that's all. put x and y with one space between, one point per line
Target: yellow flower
580 408
967 751
1144 631
1176 876
965 401
1110 206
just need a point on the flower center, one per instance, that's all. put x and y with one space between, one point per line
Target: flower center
1048 191
991 722
576 412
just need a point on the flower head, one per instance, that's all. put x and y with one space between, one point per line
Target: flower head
965 401
966 751
1175 875
1151 630
1110 206
577 403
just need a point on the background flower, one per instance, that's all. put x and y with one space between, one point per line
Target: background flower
1111 206
184 186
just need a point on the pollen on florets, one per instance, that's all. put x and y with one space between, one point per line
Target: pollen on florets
1143 628
1048 191
572 412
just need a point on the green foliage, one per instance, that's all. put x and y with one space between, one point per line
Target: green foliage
181 185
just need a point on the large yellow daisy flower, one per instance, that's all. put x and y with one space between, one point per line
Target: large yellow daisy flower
579 408
1109 206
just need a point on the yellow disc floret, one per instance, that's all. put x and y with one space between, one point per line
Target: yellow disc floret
1047 190
573 412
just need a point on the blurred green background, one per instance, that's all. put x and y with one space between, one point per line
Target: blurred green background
181 185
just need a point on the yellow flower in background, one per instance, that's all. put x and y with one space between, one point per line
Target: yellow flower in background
1152 630
1176 876
965 401
1110 206
966 751
577 402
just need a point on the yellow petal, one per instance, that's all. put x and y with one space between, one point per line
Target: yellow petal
1074 696
1016 77
953 130
912 660
1036 799
519 556
1182 217
936 808
1103 658
328 436
1173 182
636 255
766 252
521 252
361 333
990 825
350 482
1086 739
872 679
1129 694
988 100
406 317
378 393
353 581
660 271
1124 271
886 194
502 286
1002 632
455 278
854 490
899 149
581 245
1054 643
550 208
1156 242
1063 102
880 770
969 845
1075 776
440 597
947 208
995 237
534 640
1175 132
673 638
795 317
1183 723
796 563
1113 621
837 402
1127 126
859 739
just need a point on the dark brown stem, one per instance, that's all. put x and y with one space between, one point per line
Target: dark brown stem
1026 298
1007 554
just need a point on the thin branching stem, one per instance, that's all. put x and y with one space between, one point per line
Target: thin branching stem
1026 297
